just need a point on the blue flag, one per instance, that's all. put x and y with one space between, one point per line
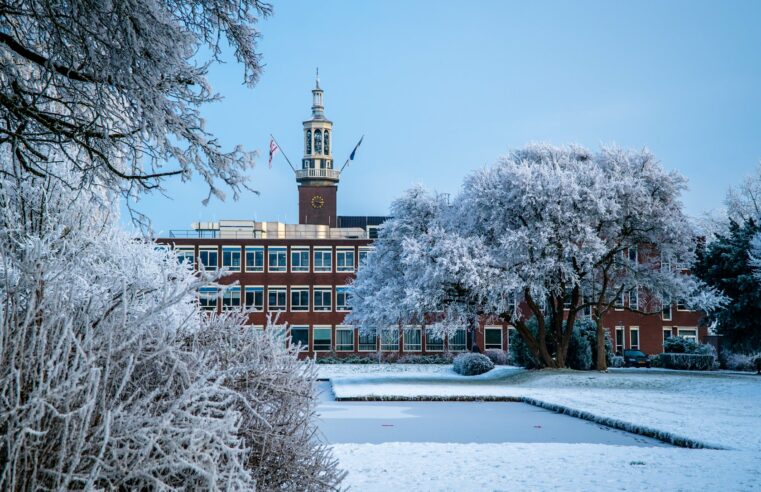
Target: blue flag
353 152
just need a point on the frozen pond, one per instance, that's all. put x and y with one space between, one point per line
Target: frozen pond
459 422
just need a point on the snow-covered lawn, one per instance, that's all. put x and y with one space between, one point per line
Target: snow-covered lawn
404 373
720 409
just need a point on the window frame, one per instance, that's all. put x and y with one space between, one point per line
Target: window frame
276 289
321 250
322 290
327 328
494 328
406 346
635 292
253 250
343 251
292 328
681 329
300 250
360 336
344 329
459 348
208 307
429 335
384 344
254 289
228 298
620 329
182 255
232 250
277 250
632 331
345 291
301 308
208 250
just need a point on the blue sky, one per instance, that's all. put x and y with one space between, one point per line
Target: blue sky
442 88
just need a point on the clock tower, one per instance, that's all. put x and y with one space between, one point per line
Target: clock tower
317 179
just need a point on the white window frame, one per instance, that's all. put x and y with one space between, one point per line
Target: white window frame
230 296
682 302
501 337
320 251
232 250
207 293
276 250
632 331
619 305
322 290
277 289
415 331
364 251
300 250
329 328
343 290
635 292
299 308
669 330
186 254
304 348
682 332
622 347
343 347
342 252
428 336
373 228
384 341
253 288
206 249
666 305
457 347
253 249
359 342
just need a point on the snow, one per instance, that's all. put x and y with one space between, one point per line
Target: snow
515 466
382 373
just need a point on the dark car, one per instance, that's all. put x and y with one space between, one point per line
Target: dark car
636 358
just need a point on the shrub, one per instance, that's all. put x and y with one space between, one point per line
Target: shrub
425 359
616 361
472 364
700 362
498 357
680 345
743 362
656 360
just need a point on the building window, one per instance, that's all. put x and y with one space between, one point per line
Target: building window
207 298
231 258
186 254
323 260
254 259
299 298
318 141
342 298
326 139
323 299
368 342
681 305
276 299
666 333
390 339
345 260
666 307
634 299
344 339
231 299
278 259
618 304
413 341
254 298
620 339
457 341
300 337
665 264
634 337
493 337
363 252
433 343
209 259
632 253
322 338
299 259
309 142
690 334
372 232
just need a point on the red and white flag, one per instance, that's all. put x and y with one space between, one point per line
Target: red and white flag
273 148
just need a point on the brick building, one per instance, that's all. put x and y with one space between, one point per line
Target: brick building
302 271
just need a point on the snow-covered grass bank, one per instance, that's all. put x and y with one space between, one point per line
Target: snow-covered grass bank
405 373
718 409
513 466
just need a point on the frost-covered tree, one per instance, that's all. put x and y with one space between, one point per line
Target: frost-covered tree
112 378
549 233
114 88
743 202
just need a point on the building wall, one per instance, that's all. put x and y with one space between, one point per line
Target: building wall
324 215
650 327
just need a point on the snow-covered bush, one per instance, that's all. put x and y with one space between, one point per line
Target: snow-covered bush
616 361
680 345
743 362
445 358
655 360
472 364
497 356
699 362
112 378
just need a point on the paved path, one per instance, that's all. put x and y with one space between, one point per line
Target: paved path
459 422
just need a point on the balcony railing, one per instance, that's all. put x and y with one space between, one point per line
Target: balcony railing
317 173
216 234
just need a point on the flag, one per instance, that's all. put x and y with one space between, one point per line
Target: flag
353 152
273 148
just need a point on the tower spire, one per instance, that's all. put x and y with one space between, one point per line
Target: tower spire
317 79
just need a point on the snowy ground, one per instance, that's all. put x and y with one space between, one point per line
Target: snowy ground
720 409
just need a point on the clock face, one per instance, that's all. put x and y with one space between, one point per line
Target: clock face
317 201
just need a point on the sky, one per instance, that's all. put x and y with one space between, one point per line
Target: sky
442 88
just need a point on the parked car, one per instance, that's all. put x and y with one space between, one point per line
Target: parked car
636 358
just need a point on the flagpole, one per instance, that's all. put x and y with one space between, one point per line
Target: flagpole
283 152
355 149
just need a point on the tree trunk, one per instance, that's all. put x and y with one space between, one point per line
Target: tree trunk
602 362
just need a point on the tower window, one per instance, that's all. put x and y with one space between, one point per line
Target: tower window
318 141
309 141
327 142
